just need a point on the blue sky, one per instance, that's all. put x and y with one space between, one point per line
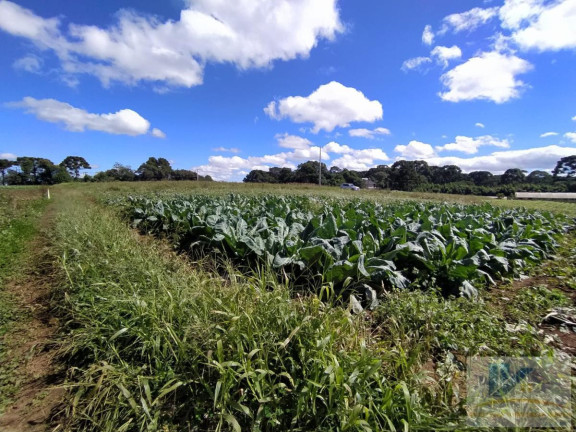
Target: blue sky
225 87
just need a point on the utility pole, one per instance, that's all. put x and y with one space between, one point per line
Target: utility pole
320 168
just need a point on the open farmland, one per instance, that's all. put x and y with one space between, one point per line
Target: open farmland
235 314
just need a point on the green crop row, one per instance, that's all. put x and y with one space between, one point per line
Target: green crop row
357 245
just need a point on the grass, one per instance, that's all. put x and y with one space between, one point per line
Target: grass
154 343
19 215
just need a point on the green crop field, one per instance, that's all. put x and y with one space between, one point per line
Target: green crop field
225 307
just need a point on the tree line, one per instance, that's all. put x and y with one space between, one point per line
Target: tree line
402 175
28 170
419 176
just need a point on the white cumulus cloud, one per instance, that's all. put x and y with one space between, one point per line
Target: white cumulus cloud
293 141
226 150
416 63
468 21
541 25
571 136
514 13
416 150
157 133
368 133
174 52
489 76
470 145
427 35
443 54
480 125
331 105
123 122
9 156
538 158
29 63
548 134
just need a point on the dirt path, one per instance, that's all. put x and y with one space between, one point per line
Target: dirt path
32 341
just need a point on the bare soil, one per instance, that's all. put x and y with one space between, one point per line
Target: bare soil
32 344
565 341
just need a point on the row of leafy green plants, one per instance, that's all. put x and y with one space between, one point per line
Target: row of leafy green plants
356 245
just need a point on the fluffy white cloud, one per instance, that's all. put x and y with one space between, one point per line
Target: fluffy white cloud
541 25
292 141
542 158
571 136
548 134
226 150
157 133
29 63
123 122
416 150
444 54
514 13
328 107
480 125
468 21
427 35
489 76
174 52
368 133
415 63
574 118
470 145
9 156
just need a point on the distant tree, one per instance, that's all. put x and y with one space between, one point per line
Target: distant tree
59 174
259 176
482 178
122 172
155 169
513 175
334 170
565 167
4 165
35 170
207 178
445 174
73 164
539 177
307 172
183 174
380 176
282 175
352 177
408 175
